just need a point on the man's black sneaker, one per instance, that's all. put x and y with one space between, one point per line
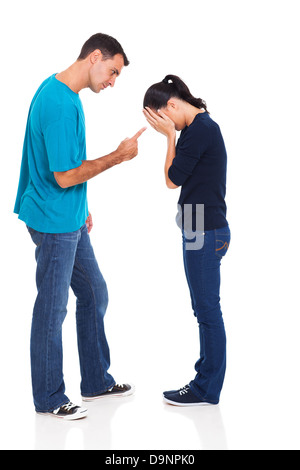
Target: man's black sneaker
68 412
184 397
123 390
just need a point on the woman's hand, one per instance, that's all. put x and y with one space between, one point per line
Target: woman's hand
160 122
163 124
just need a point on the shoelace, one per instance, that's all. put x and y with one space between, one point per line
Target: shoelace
116 385
66 407
184 390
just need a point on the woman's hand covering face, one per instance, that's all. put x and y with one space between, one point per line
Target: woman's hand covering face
160 122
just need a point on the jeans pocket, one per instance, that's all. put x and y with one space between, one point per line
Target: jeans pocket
222 241
37 237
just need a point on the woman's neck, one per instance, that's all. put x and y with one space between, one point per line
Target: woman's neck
191 112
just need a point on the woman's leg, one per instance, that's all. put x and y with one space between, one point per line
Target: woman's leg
202 269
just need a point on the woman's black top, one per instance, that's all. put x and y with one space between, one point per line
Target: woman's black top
200 166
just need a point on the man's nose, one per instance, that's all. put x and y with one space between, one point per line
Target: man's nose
112 82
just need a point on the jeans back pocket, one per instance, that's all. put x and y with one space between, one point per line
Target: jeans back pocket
222 241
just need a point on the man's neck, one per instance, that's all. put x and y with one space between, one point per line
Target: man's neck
74 77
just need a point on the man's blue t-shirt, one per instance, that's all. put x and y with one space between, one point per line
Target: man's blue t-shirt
54 141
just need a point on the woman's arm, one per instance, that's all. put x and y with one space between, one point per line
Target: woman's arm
169 159
163 124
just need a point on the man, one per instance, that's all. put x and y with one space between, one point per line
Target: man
52 201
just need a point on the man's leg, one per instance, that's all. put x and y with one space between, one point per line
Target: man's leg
92 299
55 254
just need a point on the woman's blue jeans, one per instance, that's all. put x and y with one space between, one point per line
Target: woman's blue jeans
202 268
64 260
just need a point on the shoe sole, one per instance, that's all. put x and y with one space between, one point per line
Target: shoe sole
113 395
175 403
79 415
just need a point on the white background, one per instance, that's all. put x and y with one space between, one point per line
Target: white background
242 57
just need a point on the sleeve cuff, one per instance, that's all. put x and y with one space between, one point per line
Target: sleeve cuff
66 167
177 176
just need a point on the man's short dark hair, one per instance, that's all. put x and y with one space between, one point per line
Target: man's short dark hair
108 45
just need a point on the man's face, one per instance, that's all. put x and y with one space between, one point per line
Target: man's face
103 73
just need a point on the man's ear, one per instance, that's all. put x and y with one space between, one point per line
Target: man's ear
96 56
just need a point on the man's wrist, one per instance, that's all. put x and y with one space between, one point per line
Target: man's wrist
116 157
112 159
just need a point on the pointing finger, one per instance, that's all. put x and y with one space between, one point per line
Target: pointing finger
139 133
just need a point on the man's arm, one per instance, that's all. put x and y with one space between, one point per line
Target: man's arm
127 150
87 170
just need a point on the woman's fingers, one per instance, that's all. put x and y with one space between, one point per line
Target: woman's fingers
163 115
160 122
155 116
152 113
152 121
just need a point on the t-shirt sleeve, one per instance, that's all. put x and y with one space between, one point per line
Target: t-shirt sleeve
190 147
62 145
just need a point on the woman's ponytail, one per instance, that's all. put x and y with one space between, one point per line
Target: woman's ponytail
184 92
158 95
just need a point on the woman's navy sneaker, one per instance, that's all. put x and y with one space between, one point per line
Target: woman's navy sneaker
184 397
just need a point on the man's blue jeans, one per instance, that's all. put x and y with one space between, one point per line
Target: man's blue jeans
202 268
64 260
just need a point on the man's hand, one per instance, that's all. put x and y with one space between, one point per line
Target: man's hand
128 148
89 222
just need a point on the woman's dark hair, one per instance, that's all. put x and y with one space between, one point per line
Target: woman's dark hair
108 45
158 95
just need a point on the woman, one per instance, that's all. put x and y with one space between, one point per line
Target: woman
198 164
